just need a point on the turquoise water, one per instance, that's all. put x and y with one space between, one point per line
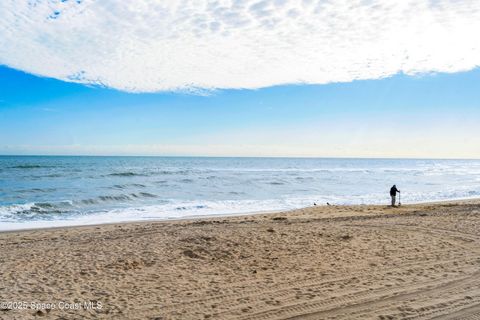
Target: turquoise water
42 191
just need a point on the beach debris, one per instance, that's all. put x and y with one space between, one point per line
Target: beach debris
279 218
270 230
346 237
191 254
40 313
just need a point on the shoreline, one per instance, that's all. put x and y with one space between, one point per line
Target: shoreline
212 216
167 220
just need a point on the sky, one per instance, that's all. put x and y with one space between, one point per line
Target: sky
310 78
430 116
196 45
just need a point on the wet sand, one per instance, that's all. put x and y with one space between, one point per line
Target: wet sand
325 262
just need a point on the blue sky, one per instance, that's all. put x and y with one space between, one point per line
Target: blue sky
313 78
434 115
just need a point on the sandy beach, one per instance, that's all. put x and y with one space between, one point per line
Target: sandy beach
325 262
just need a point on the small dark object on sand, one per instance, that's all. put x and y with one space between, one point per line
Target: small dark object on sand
191 254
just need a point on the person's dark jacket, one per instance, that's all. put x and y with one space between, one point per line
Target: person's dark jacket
393 191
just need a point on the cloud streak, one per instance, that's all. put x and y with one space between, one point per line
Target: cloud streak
148 46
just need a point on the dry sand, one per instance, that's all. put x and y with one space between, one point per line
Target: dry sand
328 262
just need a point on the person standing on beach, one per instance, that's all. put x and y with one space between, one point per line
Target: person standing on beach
393 194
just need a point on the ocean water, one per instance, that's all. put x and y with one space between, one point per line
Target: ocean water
42 191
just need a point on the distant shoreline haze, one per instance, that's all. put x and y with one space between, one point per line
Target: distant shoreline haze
233 157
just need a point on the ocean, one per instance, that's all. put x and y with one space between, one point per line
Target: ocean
48 191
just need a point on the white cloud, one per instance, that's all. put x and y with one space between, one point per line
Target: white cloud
146 45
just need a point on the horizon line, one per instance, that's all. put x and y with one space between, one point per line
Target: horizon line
233 156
